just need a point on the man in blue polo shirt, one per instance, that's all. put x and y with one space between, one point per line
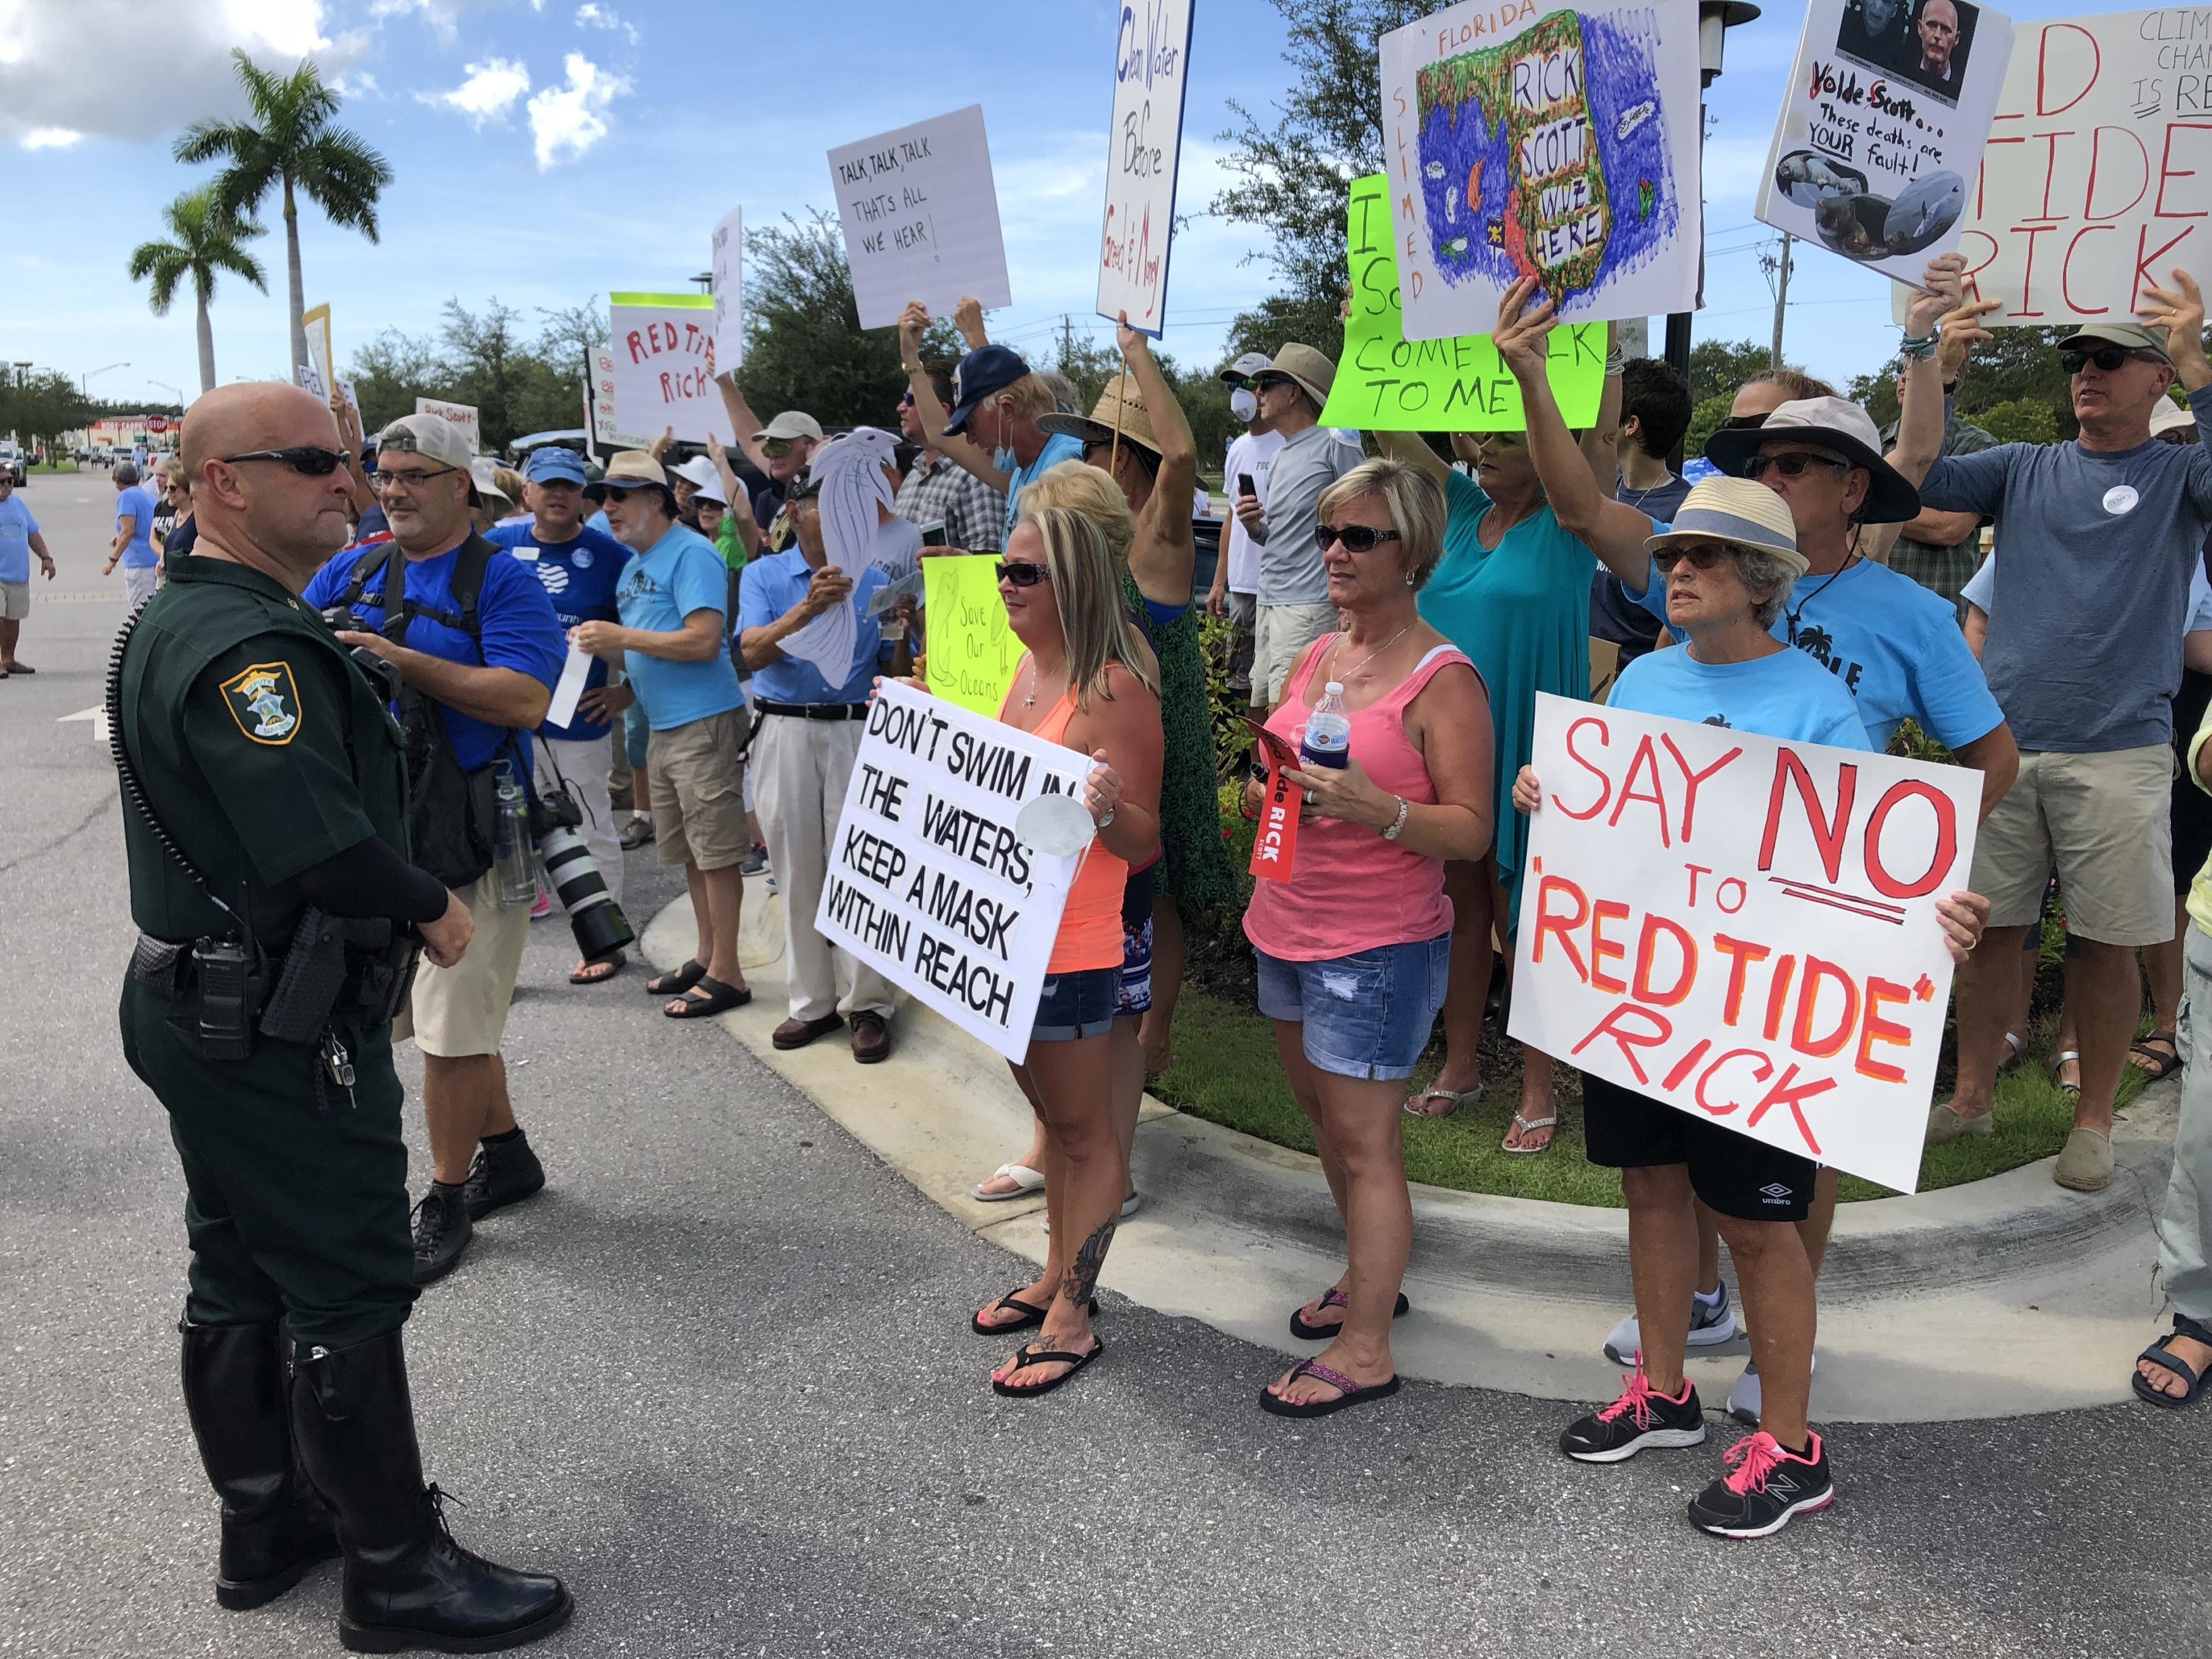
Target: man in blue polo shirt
133 546
580 569
485 692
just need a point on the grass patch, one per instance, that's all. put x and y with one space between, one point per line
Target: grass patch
54 466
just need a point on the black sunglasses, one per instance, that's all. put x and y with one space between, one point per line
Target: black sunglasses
1699 558
2108 358
1742 422
309 460
1022 575
1791 465
1355 537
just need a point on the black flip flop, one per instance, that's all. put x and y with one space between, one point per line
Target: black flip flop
1354 1395
1334 1298
1027 1357
720 998
1032 1316
614 965
2159 1354
676 984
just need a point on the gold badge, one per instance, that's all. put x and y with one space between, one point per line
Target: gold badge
264 703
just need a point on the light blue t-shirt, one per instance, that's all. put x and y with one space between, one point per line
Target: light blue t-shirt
136 503
1061 446
1783 695
1891 643
17 526
773 584
677 576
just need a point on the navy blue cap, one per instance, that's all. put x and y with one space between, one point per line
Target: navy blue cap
982 373
552 464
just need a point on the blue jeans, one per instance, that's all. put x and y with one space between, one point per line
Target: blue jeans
1367 1015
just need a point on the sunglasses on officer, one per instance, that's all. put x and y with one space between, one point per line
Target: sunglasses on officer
309 460
2108 358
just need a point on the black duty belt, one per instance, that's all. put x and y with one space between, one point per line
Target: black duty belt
813 711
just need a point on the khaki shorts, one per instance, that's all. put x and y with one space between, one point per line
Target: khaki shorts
1279 634
2102 822
15 601
699 791
462 1010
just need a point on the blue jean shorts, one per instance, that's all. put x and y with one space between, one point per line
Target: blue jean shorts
1368 1015
1077 1005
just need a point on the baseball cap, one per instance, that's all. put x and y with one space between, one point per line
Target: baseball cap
699 471
1251 363
632 469
433 437
792 423
2170 416
1835 424
483 472
552 464
983 372
711 491
2131 336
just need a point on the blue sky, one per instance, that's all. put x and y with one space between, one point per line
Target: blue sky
549 150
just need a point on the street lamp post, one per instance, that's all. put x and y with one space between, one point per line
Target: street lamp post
176 392
84 382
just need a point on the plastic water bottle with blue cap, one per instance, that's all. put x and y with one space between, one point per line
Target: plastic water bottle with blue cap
1328 741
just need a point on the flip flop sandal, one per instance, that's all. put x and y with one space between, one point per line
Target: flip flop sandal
2018 1044
613 964
1026 1181
2063 1057
1334 1297
1454 1100
2159 1354
1526 1124
2148 1060
1354 1395
677 983
1029 1356
720 998
1031 1315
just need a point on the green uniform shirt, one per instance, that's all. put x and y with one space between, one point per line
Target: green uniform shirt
262 747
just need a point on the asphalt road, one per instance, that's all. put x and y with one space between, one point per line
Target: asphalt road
720 1377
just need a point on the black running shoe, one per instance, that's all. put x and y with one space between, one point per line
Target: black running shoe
1641 1416
1766 1485
505 1172
441 1232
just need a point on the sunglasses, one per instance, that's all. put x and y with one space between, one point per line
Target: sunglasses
1795 465
410 479
1699 558
906 401
1744 423
309 460
776 448
1022 575
1355 537
2108 358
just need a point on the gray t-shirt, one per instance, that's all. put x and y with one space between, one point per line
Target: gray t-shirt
2084 648
1290 564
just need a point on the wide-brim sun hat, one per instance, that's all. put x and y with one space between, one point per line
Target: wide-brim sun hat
1119 406
2170 416
1737 511
1837 425
1310 368
632 469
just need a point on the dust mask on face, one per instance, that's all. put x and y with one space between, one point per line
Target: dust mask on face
1243 404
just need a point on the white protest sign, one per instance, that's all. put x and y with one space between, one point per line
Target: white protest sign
1560 142
309 380
316 325
1876 143
662 379
2097 180
921 212
463 415
1744 927
928 882
1152 65
727 266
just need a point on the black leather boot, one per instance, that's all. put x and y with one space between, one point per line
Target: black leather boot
274 1527
505 1171
408 1584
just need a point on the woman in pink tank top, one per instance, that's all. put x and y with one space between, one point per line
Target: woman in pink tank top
1354 945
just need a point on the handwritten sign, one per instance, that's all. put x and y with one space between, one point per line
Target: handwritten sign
928 881
921 212
1879 133
726 265
1744 928
1389 384
463 415
1151 63
316 325
972 653
2097 180
663 376
1549 141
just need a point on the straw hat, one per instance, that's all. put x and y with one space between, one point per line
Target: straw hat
1737 511
1122 405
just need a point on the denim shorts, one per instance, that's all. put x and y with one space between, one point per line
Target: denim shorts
1077 1005
1368 1015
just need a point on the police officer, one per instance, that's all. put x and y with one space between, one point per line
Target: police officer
265 824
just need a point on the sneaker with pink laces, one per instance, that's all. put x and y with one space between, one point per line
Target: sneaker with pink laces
1766 1484
1641 1416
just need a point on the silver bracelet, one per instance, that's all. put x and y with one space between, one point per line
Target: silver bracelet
1405 812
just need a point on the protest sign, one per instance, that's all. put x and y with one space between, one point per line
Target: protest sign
463 415
972 653
600 398
316 323
1559 143
2097 180
929 883
1878 134
1151 64
1389 384
921 213
726 268
1276 842
1744 928
662 377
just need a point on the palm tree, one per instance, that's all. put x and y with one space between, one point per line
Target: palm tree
290 141
206 241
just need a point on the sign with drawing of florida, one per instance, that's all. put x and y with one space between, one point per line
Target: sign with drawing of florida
1558 141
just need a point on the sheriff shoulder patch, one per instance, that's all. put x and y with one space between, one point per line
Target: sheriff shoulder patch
264 703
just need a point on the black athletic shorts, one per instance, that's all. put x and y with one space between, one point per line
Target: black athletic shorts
1733 1174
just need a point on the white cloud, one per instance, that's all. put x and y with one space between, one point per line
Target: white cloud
590 14
489 92
355 83
567 122
50 139
443 16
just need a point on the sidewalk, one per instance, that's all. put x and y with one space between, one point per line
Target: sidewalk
1994 1299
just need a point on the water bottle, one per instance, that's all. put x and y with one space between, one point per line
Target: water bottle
1328 741
514 870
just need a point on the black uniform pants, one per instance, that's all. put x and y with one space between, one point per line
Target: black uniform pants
292 1209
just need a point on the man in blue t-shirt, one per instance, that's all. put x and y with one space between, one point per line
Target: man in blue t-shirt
992 428
488 690
580 569
133 546
19 539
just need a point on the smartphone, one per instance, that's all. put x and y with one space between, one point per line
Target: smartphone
934 535
1245 486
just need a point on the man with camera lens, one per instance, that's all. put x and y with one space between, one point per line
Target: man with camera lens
477 649
581 568
265 819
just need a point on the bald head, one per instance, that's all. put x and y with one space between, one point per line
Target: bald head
1938 29
265 513
236 420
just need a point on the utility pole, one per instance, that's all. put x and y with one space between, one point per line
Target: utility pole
1067 339
1781 300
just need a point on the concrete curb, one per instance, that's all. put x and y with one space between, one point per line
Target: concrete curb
2001 1297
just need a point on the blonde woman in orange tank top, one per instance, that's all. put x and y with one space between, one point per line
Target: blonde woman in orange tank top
1088 683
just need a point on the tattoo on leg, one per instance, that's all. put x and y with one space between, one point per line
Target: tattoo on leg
1081 1279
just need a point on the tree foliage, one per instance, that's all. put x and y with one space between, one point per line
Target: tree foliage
517 385
38 407
206 241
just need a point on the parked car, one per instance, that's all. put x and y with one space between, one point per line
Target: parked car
17 463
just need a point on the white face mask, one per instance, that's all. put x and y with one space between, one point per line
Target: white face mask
1003 456
1242 404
